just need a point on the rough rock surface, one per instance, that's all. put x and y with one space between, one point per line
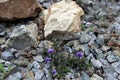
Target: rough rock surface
17 9
23 37
62 17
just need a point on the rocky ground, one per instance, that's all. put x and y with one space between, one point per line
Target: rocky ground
23 41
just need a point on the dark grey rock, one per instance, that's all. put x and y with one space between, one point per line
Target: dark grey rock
86 50
100 40
84 38
23 37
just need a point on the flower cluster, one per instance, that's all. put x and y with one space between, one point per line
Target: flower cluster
55 57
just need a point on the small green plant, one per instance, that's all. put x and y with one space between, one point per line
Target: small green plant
60 64
82 26
2 68
3 71
91 29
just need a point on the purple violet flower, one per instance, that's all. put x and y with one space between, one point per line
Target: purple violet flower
50 50
54 72
47 59
79 54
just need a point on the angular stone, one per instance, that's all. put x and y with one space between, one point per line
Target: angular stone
112 57
21 61
84 38
116 67
38 74
16 76
29 76
96 63
38 58
96 77
117 52
36 65
85 76
62 18
7 55
18 9
23 37
2 40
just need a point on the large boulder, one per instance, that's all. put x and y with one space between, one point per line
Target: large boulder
18 9
23 37
62 18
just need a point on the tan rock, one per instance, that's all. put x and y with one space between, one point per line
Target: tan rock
62 17
117 52
29 76
17 9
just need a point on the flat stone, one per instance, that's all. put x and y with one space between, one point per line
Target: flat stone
58 20
16 76
7 55
17 9
23 37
